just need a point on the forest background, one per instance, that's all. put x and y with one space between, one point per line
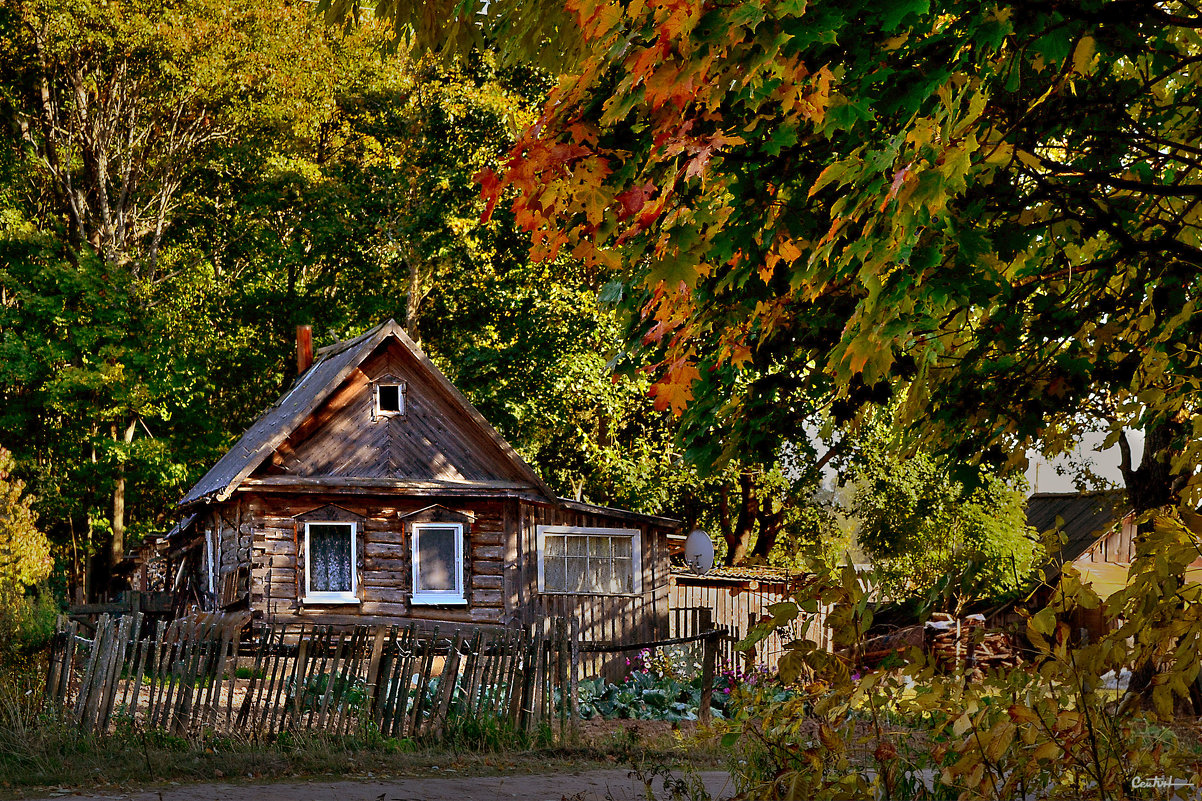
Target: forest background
181 185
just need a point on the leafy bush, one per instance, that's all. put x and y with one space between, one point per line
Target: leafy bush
1049 729
659 688
351 692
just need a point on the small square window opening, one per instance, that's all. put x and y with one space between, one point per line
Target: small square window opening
390 400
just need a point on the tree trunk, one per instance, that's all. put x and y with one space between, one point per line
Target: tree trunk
414 301
738 537
1152 485
117 548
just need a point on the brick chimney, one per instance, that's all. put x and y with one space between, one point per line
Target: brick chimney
304 348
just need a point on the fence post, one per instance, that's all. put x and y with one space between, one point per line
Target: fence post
574 678
708 665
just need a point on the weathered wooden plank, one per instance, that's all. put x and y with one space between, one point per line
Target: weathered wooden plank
493 553
419 692
448 680
483 597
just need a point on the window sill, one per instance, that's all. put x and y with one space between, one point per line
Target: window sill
330 599
437 600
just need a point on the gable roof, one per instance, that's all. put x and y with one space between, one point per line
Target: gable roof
1084 516
333 365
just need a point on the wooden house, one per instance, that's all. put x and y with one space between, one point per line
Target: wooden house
373 492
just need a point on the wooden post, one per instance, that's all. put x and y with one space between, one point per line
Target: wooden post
708 665
574 677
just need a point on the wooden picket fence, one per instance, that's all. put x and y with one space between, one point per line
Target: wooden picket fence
210 671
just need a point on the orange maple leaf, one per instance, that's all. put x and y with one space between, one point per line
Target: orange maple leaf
675 389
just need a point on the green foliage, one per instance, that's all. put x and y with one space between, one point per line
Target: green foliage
813 207
930 535
1048 729
661 686
24 552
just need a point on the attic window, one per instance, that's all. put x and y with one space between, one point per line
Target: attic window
390 399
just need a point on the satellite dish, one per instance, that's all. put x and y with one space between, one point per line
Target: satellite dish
699 551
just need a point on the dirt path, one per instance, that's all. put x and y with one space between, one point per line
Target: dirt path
593 785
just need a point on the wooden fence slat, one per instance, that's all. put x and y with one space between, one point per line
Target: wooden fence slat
244 710
470 675
350 676
405 685
89 675
513 691
383 686
331 679
132 658
379 639
419 692
275 668
155 664
562 649
574 676
441 713
391 678
113 680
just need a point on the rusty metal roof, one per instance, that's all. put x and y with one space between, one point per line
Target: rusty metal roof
738 573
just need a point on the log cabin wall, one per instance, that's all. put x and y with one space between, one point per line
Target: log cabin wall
500 564
603 618
383 562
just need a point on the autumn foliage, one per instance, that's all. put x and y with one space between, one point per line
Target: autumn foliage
812 205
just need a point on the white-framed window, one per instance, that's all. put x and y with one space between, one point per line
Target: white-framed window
330 574
438 563
389 399
589 561
211 560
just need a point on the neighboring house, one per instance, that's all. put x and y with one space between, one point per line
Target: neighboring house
1098 535
373 492
1098 532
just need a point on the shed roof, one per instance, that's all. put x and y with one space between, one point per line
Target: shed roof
1082 517
737 574
331 368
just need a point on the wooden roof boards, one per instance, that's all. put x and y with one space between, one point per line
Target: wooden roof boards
1082 517
322 428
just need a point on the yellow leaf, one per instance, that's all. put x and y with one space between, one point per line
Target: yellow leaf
961 725
1047 750
1083 55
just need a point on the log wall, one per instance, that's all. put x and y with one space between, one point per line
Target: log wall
262 537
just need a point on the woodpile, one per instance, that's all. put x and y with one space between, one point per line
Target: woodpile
964 644
878 649
957 645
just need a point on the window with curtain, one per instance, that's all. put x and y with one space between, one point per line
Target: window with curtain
589 561
330 563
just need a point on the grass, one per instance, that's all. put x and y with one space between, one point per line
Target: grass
40 752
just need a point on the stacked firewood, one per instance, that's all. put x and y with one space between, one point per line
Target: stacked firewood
964 645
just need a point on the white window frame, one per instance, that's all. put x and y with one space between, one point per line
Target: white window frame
636 556
452 597
211 560
315 597
379 413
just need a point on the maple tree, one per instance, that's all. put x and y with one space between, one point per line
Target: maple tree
996 206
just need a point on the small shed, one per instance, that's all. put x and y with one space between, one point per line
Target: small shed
374 492
736 598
